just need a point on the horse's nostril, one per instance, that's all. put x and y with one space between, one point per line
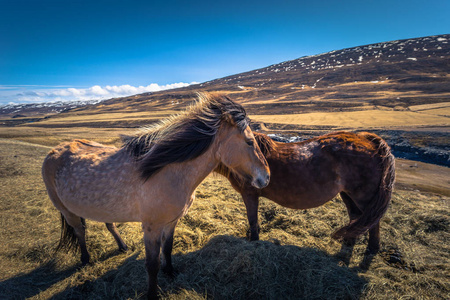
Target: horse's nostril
261 181
264 182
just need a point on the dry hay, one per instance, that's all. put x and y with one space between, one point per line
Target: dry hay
296 258
357 119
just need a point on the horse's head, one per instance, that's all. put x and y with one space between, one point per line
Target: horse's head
239 152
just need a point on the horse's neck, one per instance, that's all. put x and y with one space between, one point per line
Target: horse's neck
203 165
188 175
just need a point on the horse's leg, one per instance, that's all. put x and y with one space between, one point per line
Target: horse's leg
167 245
152 241
79 228
353 213
374 233
251 201
349 243
372 248
120 243
374 239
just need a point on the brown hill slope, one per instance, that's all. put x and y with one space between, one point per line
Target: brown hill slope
397 74
391 75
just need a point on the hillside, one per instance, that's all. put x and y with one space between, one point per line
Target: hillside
397 75
399 89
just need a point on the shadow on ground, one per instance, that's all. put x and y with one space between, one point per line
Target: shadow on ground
30 284
225 268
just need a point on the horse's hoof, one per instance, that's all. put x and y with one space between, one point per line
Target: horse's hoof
372 251
83 265
170 272
123 249
152 296
253 237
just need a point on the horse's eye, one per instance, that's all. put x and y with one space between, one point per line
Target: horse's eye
249 142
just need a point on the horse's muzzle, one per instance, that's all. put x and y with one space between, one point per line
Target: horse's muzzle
261 181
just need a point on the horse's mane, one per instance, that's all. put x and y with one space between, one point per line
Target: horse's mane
184 136
265 143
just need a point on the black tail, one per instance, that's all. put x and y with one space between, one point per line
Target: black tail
68 240
380 201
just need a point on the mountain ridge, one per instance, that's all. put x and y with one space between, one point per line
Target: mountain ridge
389 75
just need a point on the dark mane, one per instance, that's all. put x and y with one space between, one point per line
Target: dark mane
185 136
265 143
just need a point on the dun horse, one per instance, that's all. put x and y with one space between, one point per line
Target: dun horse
360 167
152 178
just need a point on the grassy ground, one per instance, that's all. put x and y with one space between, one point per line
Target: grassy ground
301 113
363 119
296 258
75 119
54 136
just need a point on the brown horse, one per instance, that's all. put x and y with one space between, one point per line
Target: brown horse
307 174
152 178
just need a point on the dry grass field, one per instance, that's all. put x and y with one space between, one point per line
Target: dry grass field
295 259
54 136
106 118
406 101
374 118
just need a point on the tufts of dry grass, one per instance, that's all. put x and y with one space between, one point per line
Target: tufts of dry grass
358 119
54 136
296 258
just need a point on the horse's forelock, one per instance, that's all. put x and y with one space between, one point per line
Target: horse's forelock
232 112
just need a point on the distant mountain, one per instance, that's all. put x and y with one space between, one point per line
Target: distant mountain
38 109
395 74
392 75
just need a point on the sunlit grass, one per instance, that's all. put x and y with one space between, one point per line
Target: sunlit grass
358 119
294 259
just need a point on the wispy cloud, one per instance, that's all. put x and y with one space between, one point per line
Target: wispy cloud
10 94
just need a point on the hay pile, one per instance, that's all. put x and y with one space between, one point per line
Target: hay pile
296 258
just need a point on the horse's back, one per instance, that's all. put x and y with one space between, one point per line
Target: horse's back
92 180
345 142
309 173
54 162
65 152
76 146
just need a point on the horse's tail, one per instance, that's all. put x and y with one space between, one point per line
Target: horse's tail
378 205
68 240
52 163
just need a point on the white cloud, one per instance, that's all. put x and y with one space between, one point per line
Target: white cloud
36 94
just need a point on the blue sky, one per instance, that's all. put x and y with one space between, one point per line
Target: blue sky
76 49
